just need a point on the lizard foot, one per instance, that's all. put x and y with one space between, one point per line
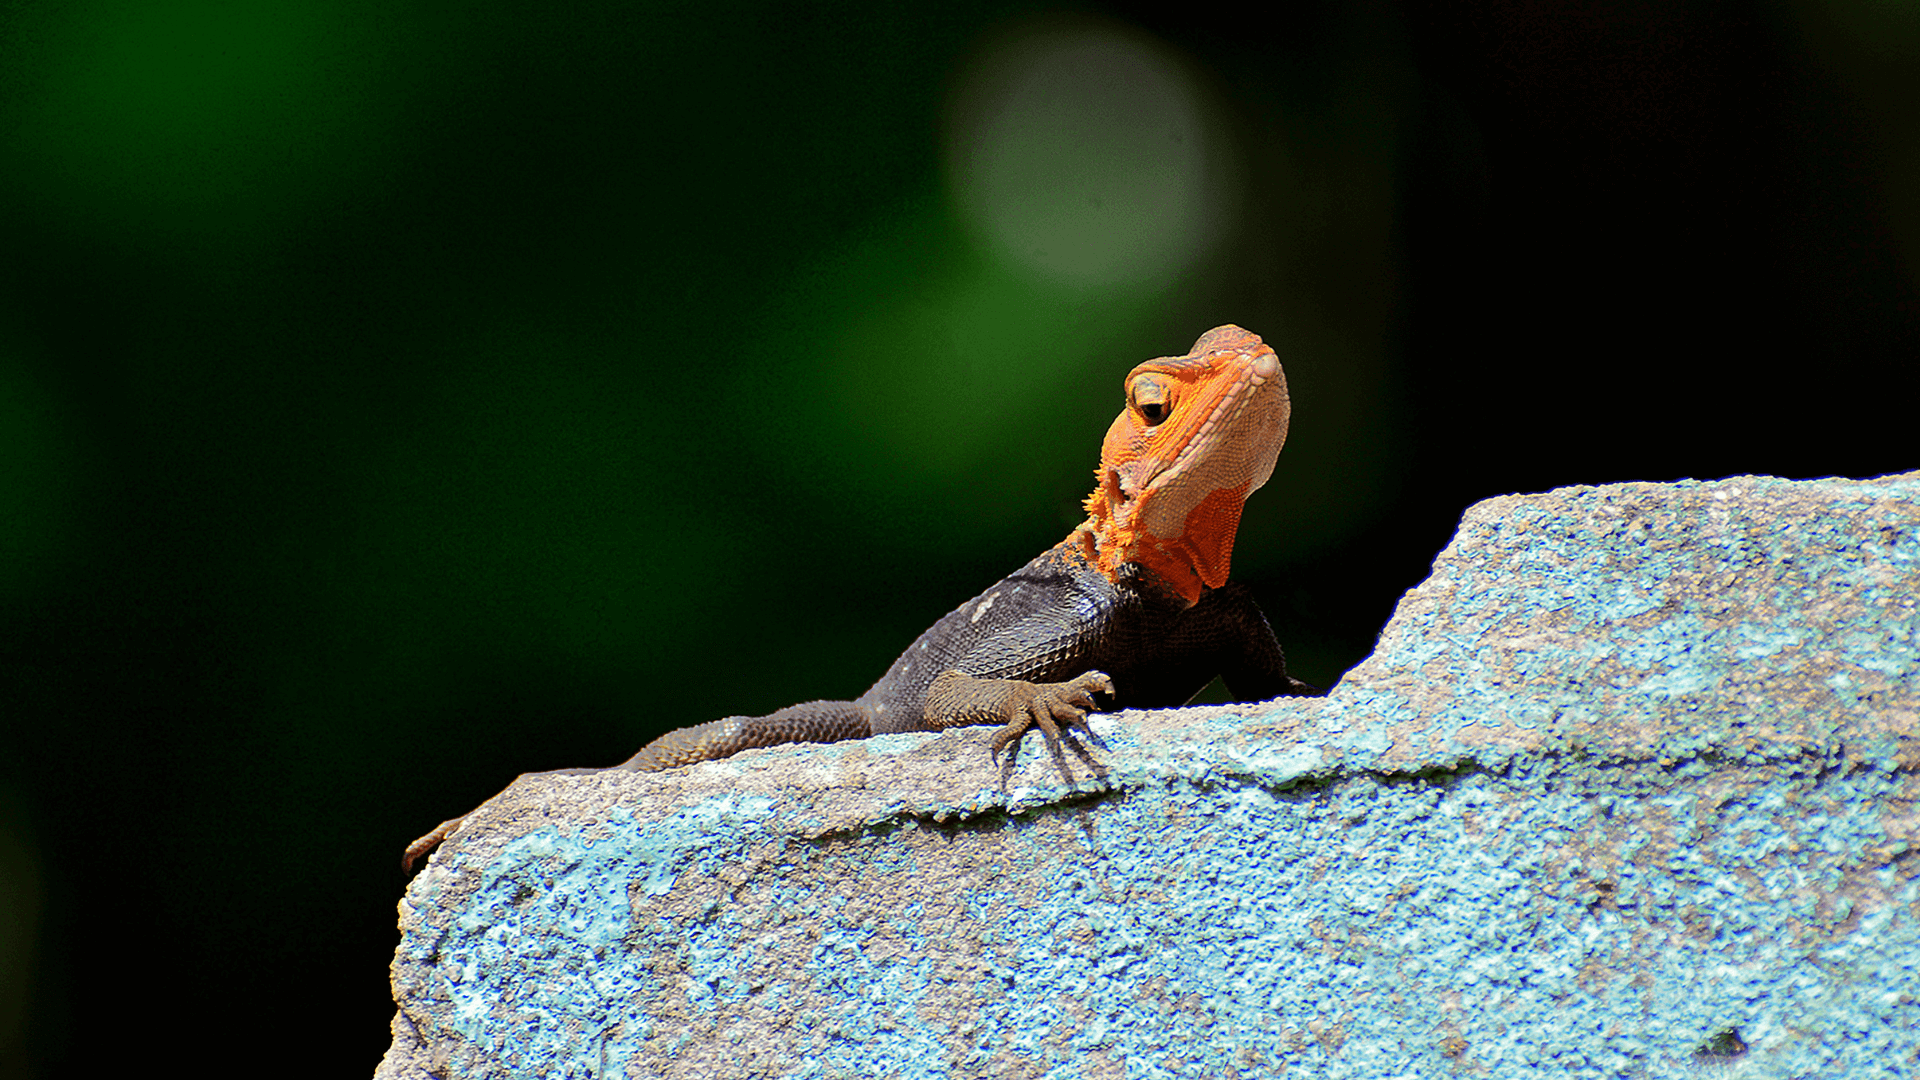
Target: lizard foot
1060 711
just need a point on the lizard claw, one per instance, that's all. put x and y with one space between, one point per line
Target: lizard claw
1060 711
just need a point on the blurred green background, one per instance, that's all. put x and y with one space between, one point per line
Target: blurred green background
397 397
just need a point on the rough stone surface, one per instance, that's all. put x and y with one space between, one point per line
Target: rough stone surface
1627 790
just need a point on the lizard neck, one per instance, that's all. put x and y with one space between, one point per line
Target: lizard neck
1185 565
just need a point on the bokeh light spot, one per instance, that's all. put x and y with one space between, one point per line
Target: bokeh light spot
1085 153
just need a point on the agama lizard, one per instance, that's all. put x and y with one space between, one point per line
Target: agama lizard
1134 605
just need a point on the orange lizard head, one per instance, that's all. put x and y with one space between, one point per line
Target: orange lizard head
1199 434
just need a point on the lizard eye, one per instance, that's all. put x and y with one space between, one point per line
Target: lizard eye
1150 398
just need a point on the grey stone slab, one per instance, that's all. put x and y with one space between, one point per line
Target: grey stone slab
1627 789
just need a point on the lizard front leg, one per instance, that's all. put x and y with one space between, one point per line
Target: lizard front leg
1058 709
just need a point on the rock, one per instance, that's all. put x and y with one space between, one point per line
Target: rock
1627 788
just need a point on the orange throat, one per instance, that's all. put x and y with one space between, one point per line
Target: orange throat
1196 559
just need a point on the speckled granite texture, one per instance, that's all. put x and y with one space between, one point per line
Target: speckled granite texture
1627 790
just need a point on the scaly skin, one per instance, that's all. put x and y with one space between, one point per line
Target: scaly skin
1133 606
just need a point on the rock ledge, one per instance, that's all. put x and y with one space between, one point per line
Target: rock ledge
1627 788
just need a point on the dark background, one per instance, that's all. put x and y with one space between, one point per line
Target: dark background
398 397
